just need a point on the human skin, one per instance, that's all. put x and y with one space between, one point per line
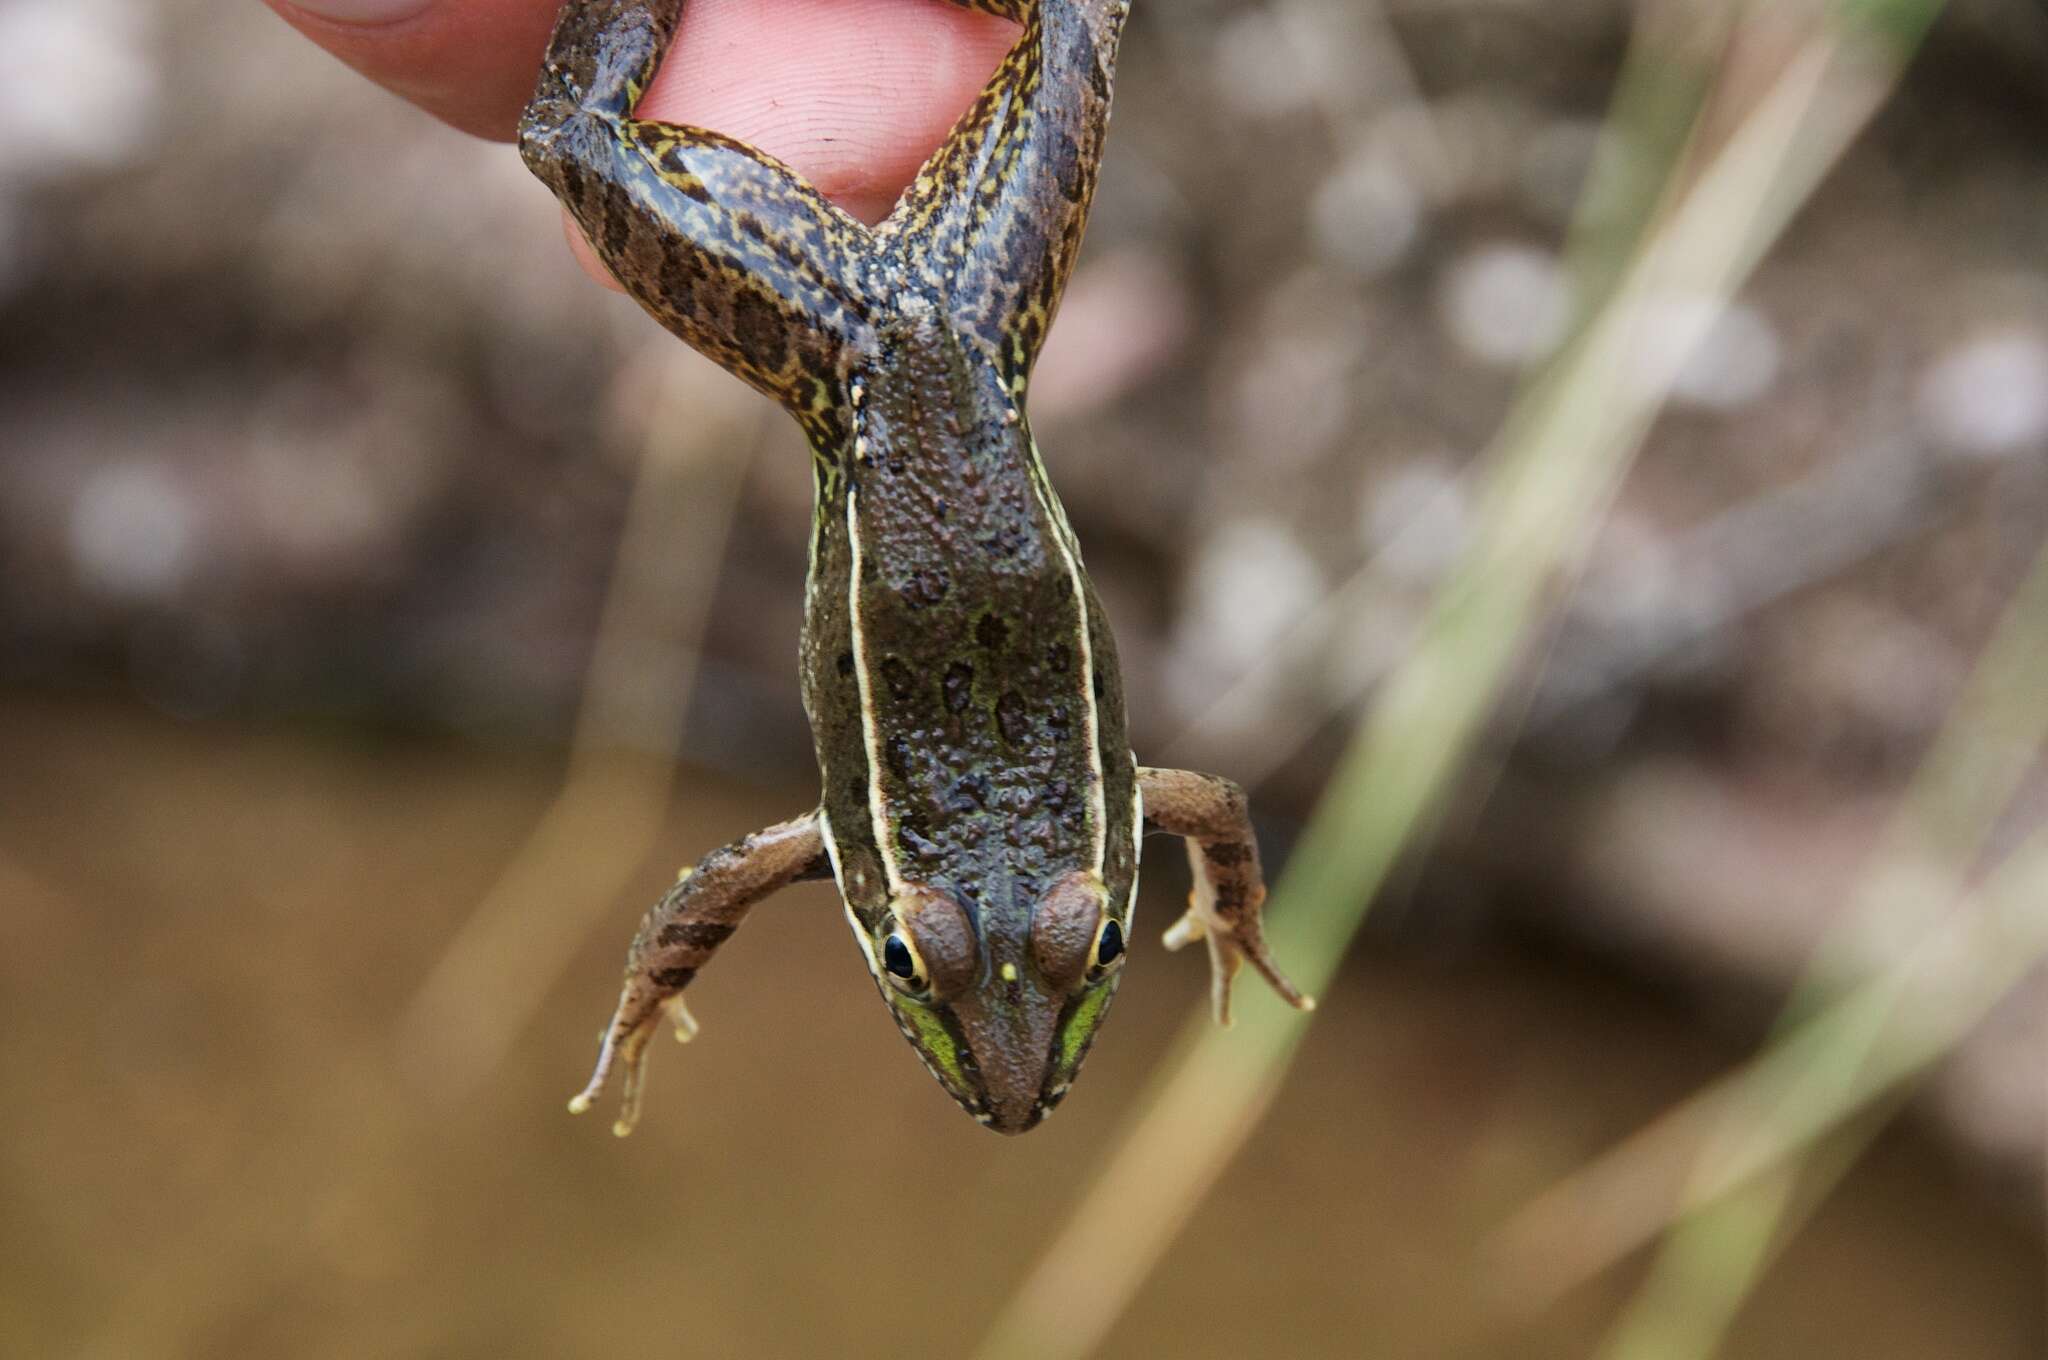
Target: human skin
853 94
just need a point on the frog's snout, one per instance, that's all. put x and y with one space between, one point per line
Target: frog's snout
1011 1041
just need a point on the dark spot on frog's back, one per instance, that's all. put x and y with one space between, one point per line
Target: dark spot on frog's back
1010 717
927 586
897 676
959 686
910 837
969 793
990 631
1058 658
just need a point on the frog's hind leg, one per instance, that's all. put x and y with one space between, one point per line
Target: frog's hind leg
681 933
728 248
1229 890
994 219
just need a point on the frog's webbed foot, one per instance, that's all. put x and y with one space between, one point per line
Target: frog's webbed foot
680 935
1229 895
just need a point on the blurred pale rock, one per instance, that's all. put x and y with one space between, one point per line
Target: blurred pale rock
133 531
1276 60
1366 215
78 87
1988 397
1250 581
1506 304
1257 68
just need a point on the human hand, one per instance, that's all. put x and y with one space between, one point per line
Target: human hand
853 94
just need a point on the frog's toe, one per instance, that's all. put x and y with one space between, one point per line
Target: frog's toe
679 1016
1185 931
1225 958
625 1044
1277 980
1229 950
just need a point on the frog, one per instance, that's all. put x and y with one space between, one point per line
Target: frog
981 810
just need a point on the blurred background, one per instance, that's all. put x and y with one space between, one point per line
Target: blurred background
386 612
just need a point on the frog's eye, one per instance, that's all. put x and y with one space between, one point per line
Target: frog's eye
901 962
1109 947
931 950
1065 926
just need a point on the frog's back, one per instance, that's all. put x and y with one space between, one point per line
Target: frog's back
962 684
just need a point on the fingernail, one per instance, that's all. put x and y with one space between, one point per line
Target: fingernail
362 11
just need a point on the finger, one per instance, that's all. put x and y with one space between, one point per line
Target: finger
471 63
852 93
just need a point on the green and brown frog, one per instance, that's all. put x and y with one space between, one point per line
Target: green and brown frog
981 810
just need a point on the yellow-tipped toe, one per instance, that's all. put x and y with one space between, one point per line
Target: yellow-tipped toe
679 1016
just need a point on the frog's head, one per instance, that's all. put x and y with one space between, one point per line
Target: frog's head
1002 1017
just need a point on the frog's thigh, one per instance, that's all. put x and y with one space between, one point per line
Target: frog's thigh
994 219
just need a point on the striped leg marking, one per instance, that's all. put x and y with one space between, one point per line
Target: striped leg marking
1229 888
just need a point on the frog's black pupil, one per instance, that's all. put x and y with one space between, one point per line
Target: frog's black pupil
1112 944
896 958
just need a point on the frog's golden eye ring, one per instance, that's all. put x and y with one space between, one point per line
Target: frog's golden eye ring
900 960
1109 947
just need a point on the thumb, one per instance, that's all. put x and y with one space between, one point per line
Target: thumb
852 93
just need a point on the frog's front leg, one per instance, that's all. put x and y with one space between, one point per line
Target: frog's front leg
681 933
1229 889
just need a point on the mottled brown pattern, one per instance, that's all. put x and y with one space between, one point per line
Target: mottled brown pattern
1230 888
682 931
978 791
